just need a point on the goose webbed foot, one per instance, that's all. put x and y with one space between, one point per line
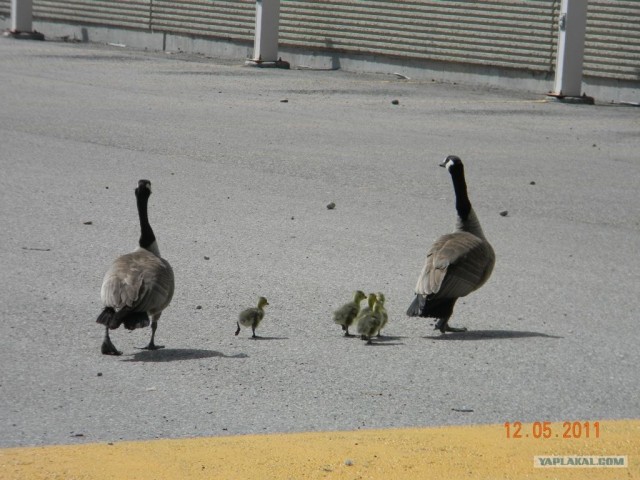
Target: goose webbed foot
152 346
443 326
108 348
455 329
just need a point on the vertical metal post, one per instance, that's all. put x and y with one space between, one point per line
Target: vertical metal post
265 47
570 54
22 21
21 15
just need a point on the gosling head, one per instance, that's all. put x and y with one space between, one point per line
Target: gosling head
372 300
262 301
380 298
359 296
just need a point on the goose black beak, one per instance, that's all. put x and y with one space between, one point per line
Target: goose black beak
443 163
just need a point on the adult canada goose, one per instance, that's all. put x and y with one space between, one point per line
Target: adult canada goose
384 316
347 313
251 317
369 323
139 285
457 263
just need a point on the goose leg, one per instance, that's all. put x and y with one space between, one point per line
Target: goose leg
253 329
443 326
109 348
152 345
238 330
346 331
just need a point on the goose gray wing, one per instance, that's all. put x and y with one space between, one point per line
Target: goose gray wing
140 281
457 264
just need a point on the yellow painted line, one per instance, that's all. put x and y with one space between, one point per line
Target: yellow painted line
469 452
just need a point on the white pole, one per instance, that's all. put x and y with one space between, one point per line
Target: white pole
569 58
21 16
267 23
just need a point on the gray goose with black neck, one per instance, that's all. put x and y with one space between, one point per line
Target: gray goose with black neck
139 285
457 263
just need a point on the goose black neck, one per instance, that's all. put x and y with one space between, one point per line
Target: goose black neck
146 232
463 205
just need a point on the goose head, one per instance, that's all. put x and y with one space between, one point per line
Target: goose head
144 188
452 163
380 298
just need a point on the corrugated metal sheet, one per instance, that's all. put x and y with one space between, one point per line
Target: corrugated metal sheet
234 20
5 8
612 44
517 34
115 13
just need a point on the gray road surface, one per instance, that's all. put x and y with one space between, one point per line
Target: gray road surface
243 178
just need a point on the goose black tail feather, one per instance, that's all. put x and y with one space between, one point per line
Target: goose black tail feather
135 320
428 306
132 320
108 318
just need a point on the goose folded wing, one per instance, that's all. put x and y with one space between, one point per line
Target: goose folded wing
139 281
455 266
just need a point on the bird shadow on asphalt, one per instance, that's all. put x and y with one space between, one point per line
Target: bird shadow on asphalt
379 343
489 335
259 337
177 354
387 341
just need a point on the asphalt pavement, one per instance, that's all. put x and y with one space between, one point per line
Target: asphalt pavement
243 163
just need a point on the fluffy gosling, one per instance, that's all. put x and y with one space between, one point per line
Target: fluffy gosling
369 323
251 317
383 312
347 313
